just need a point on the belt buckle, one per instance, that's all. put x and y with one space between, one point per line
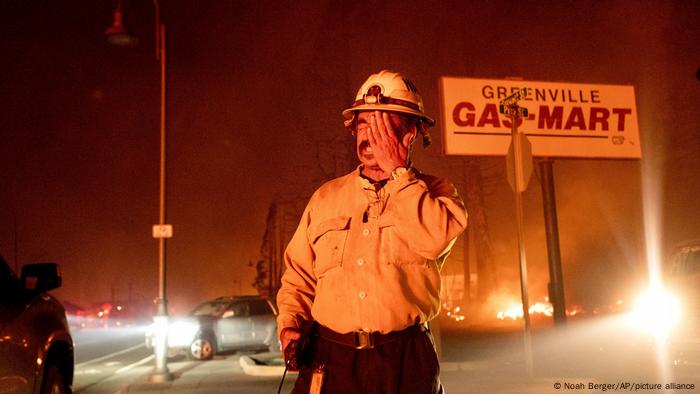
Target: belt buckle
363 340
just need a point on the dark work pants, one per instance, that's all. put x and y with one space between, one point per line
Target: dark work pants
408 365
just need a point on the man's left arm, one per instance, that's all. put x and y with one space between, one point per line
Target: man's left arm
427 213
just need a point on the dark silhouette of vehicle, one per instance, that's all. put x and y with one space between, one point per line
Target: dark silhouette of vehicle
36 348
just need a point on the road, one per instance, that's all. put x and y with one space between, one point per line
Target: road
107 352
584 357
111 358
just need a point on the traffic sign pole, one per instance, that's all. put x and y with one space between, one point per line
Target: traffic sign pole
509 106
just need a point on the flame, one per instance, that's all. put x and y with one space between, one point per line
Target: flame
575 310
453 313
516 311
545 308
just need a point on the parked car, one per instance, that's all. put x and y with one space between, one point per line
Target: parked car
223 324
36 348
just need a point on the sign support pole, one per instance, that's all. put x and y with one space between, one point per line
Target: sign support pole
556 282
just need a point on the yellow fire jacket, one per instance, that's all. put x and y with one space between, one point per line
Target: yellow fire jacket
368 259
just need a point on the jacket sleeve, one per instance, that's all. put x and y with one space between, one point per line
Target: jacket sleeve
298 283
427 213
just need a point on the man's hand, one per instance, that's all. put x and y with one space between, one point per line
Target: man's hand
287 335
388 150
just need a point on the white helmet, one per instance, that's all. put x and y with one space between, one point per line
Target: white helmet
387 91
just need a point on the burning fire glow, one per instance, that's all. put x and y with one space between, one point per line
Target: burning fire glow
455 314
545 308
516 311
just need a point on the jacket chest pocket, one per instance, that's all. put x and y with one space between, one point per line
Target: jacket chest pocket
398 252
327 240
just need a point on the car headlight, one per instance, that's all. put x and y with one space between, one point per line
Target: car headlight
182 333
657 312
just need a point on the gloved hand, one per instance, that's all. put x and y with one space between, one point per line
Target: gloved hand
296 347
290 348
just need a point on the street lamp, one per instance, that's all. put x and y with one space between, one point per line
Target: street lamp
117 34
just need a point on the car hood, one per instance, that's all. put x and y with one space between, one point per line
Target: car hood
205 321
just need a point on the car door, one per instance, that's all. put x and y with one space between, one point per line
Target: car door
263 321
234 328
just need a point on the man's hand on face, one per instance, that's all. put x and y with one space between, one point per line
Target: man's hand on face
388 150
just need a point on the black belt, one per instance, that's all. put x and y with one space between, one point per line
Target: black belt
361 339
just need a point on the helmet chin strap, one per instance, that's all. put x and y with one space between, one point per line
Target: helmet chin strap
426 140
409 147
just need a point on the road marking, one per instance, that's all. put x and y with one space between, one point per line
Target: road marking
136 364
95 360
91 371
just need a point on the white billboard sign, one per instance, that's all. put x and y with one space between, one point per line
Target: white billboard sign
565 119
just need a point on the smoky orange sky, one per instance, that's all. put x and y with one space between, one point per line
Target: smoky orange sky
255 91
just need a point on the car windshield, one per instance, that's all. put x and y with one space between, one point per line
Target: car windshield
210 309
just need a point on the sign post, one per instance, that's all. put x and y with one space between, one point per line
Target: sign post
556 280
519 158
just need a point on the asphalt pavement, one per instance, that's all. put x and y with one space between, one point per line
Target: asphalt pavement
225 374
588 359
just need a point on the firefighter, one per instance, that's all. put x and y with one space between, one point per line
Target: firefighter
362 275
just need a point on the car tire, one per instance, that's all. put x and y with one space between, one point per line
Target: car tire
202 348
53 382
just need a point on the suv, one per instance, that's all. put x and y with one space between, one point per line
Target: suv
222 324
36 349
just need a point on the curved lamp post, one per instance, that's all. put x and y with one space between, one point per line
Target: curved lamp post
117 34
